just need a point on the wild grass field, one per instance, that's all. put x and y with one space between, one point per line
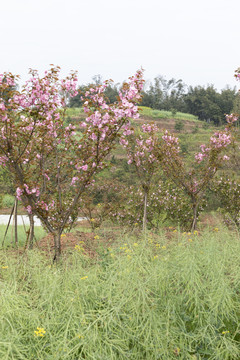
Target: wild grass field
169 295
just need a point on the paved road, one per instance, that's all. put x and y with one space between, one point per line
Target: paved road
23 218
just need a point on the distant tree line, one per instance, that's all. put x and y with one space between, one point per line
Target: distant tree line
173 95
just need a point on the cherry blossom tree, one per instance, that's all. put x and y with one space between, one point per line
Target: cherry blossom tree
140 151
207 162
52 165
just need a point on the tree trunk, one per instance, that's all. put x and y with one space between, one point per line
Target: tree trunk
145 210
31 231
15 222
57 246
195 212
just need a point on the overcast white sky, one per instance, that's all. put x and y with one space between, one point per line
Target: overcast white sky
197 41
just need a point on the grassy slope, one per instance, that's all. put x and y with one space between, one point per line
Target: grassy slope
163 299
163 114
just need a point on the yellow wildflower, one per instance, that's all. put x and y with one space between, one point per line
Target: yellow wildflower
164 247
190 240
4 267
128 251
175 231
215 229
96 237
78 248
225 332
84 278
135 244
39 332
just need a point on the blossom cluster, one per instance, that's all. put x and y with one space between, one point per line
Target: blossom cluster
218 141
140 147
232 118
104 122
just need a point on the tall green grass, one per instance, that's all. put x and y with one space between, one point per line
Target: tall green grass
153 299
39 232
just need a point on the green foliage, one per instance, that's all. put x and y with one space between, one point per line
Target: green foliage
156 300
8 201
205 102
208 104
206 125
165 94
6 182
236 105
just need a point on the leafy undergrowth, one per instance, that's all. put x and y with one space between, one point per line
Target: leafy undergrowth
162 297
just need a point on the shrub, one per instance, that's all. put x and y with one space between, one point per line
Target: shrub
179 125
